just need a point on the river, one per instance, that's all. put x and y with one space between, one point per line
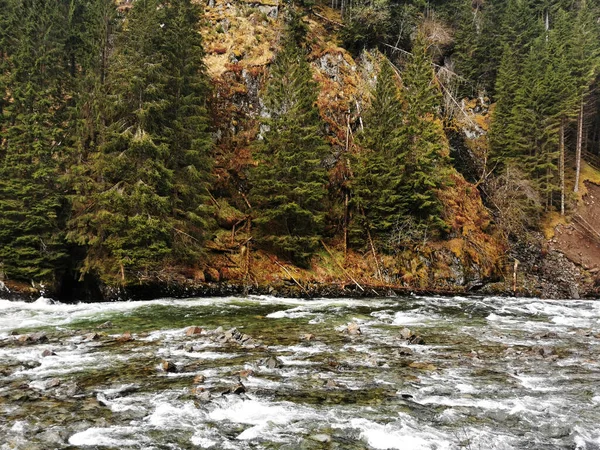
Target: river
490 373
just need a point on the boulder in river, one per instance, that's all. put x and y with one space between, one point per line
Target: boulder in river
191 331
125 337
405 333
168 366
107 324
48 352
353 329
33 338
91 337
416 340
199 379
239 388
272 362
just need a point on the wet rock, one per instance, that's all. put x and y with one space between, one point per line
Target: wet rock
422 366
239 388
105 325
416 340
204 396
34 338
52 383
272 362
191 331
199 379
53 436
353 329
544 351
125 337
168 366
48 352
330 384
91 337
405 333
404 351
321 437
246 373
406 396
31 364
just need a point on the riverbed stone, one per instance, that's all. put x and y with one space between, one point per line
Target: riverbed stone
199 379
107 324
354 329
168 366
416 340
125 337
191 331
405 333
321 437
272 362
47 353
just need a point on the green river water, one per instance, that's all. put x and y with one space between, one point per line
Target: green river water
492 373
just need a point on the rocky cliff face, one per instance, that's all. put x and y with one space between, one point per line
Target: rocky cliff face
241 40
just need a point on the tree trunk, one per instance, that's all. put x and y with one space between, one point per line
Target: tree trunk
579 146
562 166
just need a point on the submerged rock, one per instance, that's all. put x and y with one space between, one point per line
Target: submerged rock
422 366
321 437
48 352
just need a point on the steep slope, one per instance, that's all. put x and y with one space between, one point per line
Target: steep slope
241 39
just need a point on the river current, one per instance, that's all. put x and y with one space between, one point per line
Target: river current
472 373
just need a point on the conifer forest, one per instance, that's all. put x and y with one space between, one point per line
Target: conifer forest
442 146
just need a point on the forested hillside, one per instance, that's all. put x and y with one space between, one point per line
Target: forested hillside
163 146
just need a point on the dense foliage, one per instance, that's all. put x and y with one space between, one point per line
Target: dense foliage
106 151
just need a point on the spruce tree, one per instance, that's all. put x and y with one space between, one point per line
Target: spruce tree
379 194
35 141
187 130
288 185
145 211
427 159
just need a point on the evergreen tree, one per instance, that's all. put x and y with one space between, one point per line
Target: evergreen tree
35 141
427 147
187 135
288 185
379 192
150 171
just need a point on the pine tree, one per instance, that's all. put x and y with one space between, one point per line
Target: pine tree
288 185
427 150
32 201
379 193
150 172
187 135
